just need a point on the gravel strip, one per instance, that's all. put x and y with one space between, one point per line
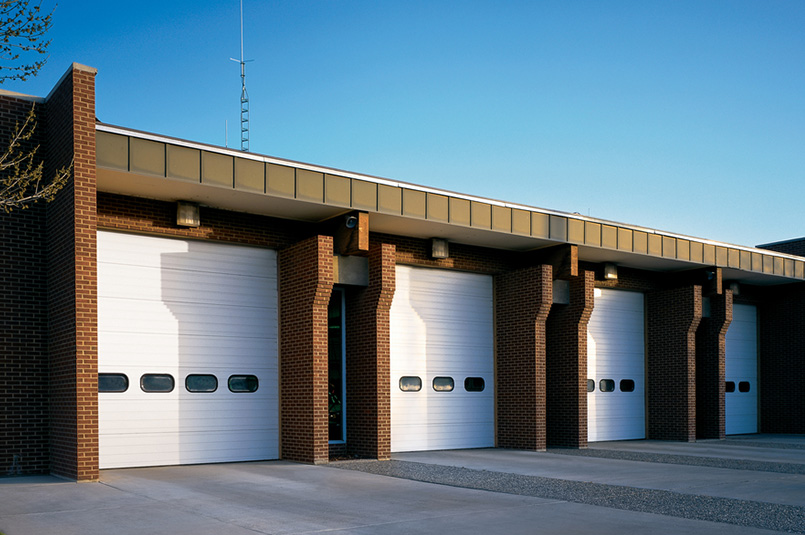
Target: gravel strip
762 515
689 460
771 445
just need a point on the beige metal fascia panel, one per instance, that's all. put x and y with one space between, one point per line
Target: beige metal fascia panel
280 180
733 258
640 242
364 195
697 252
592 233
654 245
799 269
575 231
389 199
757 262
337 191
501 219
459 211
768 264
540 225
480 215
746 260
184 163
250 175
779 267
112 151
609 237
521 222
309 186
789 267
558 228
709 254
668 247
722 256
413 203
682 249
625 239
217 169
146 157
438 208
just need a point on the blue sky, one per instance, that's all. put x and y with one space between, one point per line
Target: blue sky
685 116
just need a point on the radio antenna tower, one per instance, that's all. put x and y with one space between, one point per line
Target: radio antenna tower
244 96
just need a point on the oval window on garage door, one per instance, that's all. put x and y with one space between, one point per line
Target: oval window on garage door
243 383
474 384
410 383
157 382
112 382
443 384
201 383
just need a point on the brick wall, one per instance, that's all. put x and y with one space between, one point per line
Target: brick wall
673 317
795 247
522 302
566 365
781 357
305 283
24 416
72 300
710 367
368 399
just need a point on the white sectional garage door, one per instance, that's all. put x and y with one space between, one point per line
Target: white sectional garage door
616 367
187 343
741 371
442 361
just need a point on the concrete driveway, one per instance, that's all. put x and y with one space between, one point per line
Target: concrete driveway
749 485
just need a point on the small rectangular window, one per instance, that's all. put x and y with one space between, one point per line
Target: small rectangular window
443 384
243 383
112 382
730 386
410 384
201 383
606 385
627 385
157 382
590 385
474 384
743 386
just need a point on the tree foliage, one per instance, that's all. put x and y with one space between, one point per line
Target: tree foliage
21 182
23 27
22 34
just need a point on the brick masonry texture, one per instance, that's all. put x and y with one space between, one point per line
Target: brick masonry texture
710 367
305 282
673 317
566 365
782 360
523 299
368 399
24 413
795 247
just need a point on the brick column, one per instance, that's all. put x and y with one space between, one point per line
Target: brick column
522 302
567 365
305 285
673 317
781 360
710 367
72 294
368 400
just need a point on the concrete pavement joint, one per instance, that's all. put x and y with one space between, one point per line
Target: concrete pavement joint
696 507
687 460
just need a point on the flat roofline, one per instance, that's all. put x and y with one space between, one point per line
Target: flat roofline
113 129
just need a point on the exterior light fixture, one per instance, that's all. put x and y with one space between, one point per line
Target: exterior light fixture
610 271
439 248
187 214
736 288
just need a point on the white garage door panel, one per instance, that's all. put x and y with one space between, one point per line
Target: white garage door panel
615 350
741 366
441 326
184 307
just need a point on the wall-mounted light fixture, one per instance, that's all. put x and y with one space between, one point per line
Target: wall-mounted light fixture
439 248
187 214
351 221
610 271
736 288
